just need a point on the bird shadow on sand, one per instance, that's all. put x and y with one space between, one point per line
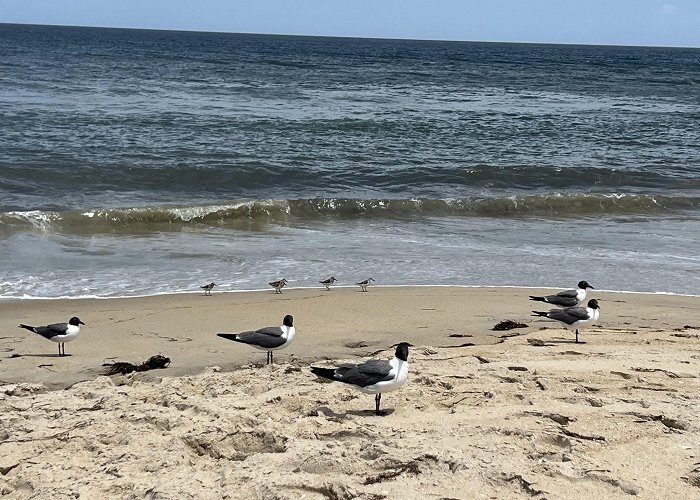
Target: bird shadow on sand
567 341
355 413
370 413
17 355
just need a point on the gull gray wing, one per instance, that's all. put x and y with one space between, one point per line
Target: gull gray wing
567 294
560 300
368 373
570 315
50 331
268 338
272 331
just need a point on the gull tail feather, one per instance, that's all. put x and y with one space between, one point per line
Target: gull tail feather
27 327
228 336
328 373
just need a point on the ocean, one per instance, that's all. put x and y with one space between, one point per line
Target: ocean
137 162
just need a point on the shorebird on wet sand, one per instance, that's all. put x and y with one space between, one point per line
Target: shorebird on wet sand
327 283
567 298
364 284
574 318
58 332
278 285
375 376
208 288
267 339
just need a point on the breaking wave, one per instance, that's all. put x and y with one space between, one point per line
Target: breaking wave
253 213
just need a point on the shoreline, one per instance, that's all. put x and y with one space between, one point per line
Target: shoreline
551 289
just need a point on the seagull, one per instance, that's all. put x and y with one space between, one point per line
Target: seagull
327 283
567 298
267 339
374 376
278 285
208 288
58 332
364 284
574 318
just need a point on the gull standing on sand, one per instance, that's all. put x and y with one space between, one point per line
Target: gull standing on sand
574 318
364 284
58 332
374 376
208 288
278 285
267 339
567 298
327 283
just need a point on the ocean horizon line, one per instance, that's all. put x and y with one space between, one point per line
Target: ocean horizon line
359 38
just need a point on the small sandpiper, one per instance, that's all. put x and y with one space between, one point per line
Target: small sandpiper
327 283
278 285
364 284
208 288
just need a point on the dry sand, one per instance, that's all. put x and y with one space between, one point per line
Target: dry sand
526 416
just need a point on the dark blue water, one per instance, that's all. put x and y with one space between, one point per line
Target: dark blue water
144 162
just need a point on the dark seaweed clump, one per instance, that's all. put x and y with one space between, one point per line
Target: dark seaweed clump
123 367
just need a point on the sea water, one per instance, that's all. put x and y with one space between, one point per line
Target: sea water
140 162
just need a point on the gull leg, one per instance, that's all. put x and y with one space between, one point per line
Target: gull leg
577 335
377 399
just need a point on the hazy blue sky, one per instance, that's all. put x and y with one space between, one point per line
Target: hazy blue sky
626 22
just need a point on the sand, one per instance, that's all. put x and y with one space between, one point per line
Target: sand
519 414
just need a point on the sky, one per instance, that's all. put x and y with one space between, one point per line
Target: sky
605 22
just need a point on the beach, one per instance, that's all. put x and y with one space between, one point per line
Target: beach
522 413
138 165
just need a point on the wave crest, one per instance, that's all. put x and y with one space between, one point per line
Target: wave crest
245 214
